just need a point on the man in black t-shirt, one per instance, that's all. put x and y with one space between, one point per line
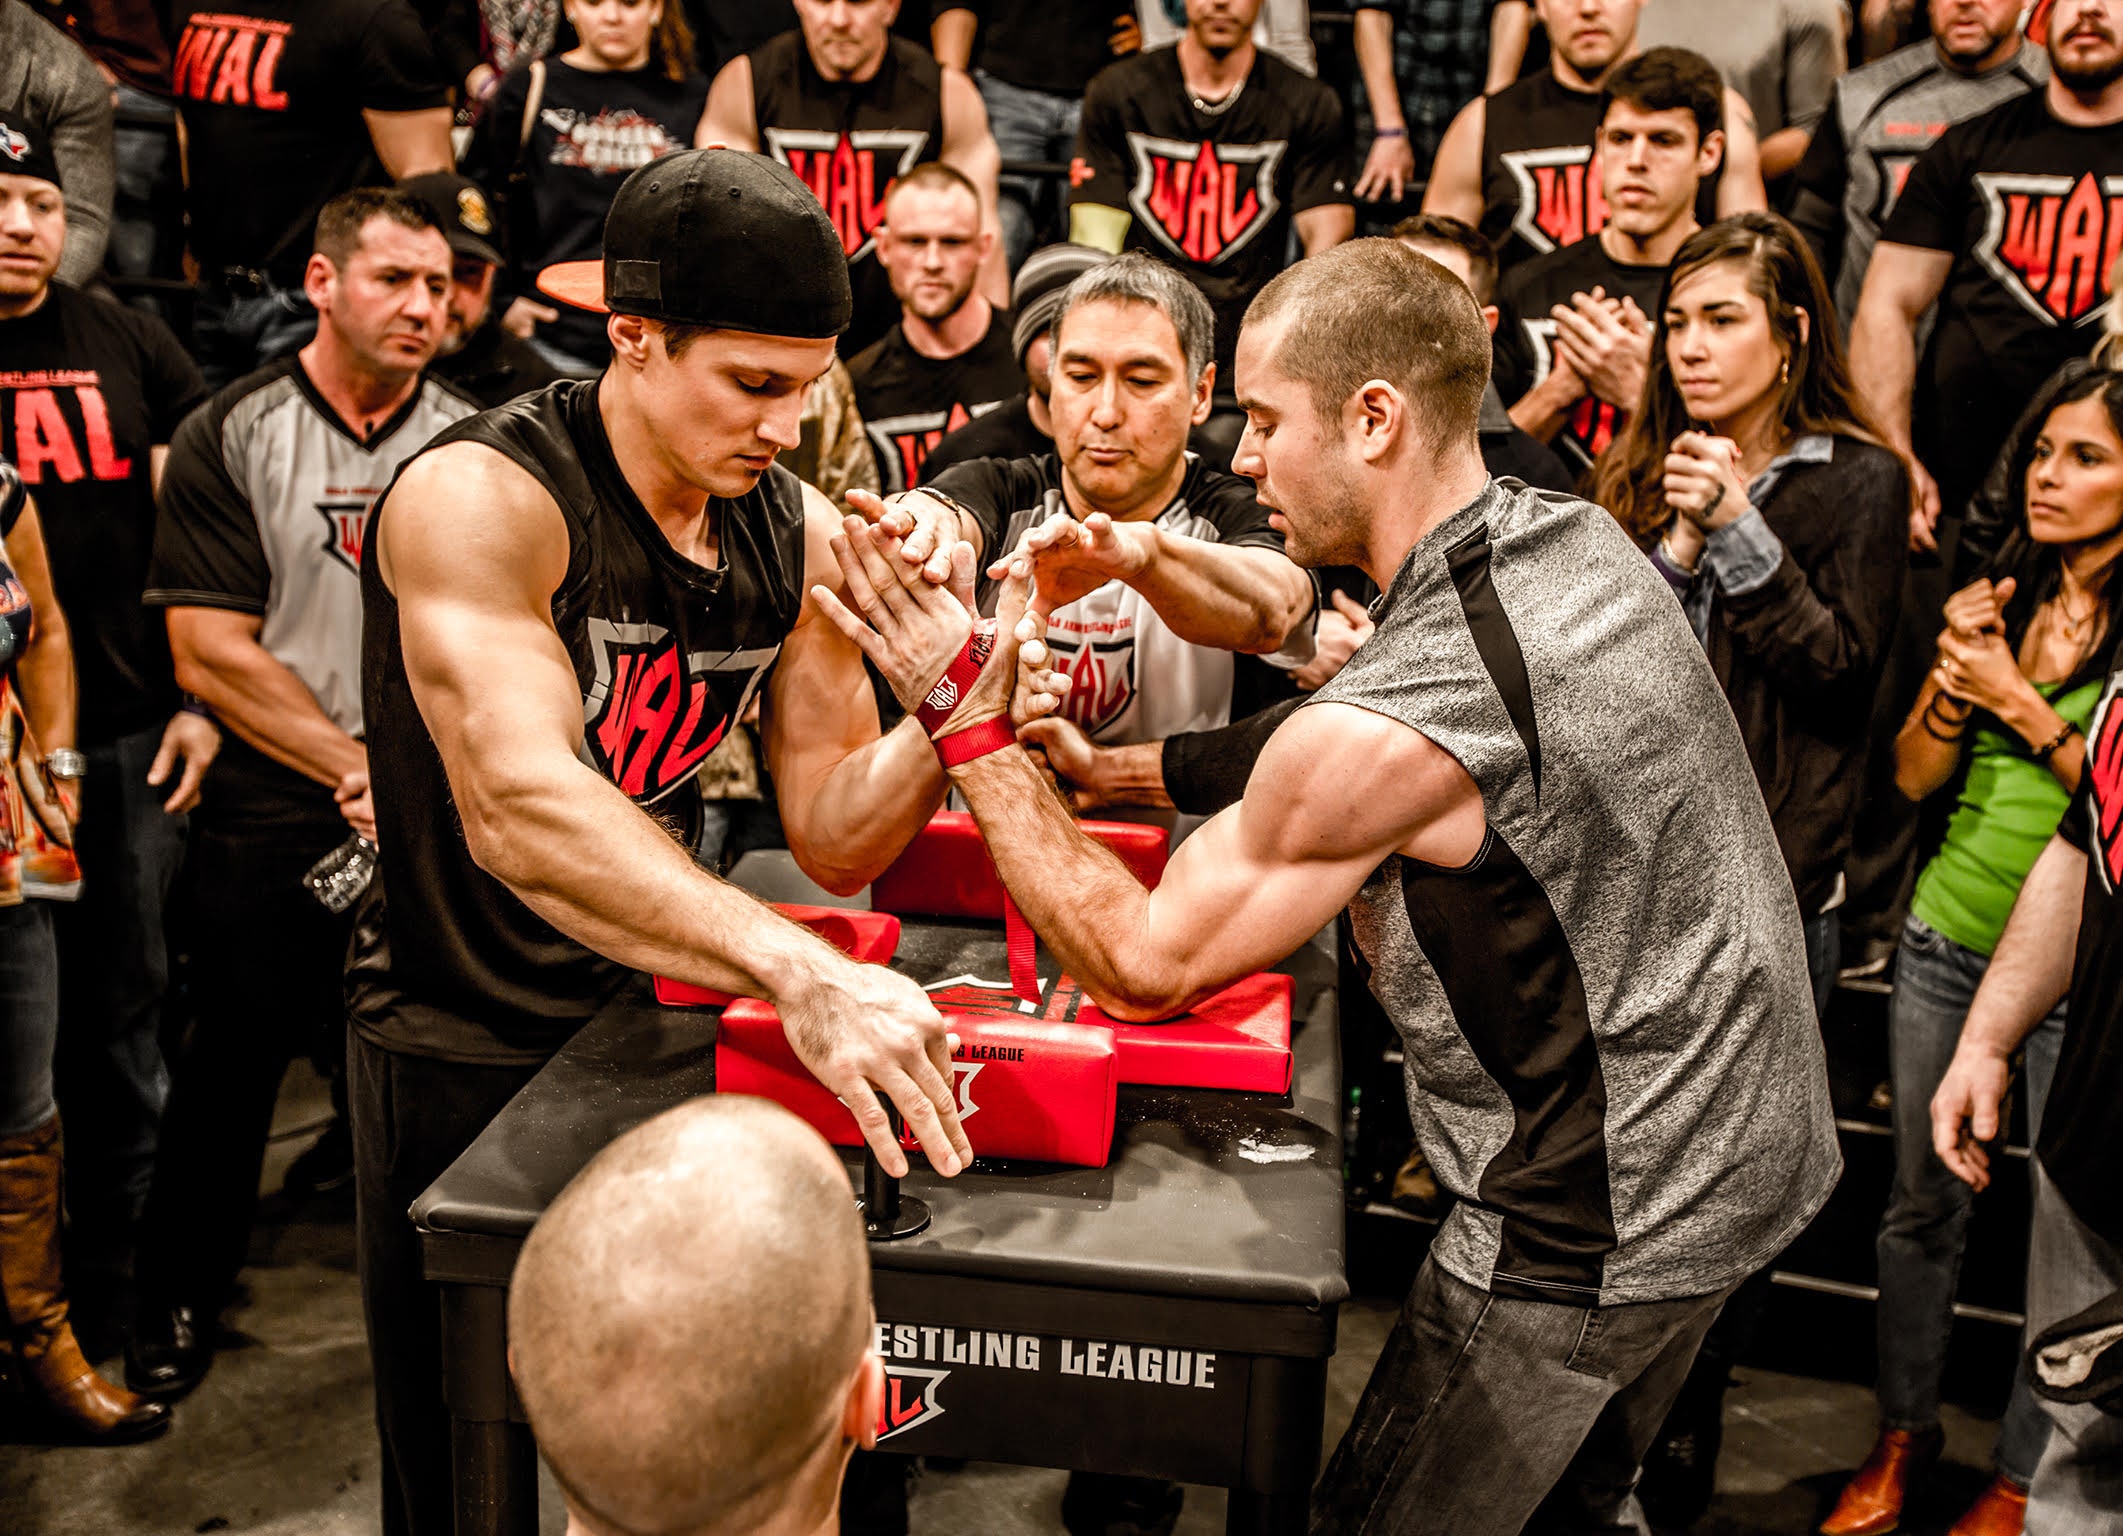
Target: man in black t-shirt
1205 154
285 104
2010 224
1576 332
1036 58
949 359
849 107
477 354
1519 165
90 394
2064 940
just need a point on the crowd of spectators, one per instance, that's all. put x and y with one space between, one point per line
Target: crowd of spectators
1833 348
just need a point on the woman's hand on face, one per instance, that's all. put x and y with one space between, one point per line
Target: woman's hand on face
1980 670
1979 608
1703 481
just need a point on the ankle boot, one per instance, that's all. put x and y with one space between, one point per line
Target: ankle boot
1871 1502
1999 1510
48 1363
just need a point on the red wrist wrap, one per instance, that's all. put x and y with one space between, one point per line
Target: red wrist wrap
958 677
974 741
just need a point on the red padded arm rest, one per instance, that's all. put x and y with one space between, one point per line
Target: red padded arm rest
946 871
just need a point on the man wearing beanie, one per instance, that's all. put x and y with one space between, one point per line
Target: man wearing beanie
50 87
490 364
569 600
1021 428
948 360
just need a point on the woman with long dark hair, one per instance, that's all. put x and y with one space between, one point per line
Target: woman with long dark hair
559 137
1999 726
1752 477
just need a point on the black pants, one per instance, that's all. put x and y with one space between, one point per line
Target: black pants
413 1117
267 963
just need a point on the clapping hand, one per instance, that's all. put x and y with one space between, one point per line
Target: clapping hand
1703 481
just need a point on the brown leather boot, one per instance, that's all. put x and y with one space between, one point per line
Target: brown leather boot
2000 1510
48 1363
1871 1504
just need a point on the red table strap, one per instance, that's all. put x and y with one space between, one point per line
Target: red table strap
1024 950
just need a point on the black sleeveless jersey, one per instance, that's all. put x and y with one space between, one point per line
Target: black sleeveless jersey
446 961
1540 191
848 141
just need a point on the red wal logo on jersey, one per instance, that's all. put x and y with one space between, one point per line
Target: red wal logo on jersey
40 437
2051 240
652 714
844 173
903 442
1560 197
1101 676
346 523
1206 201
2104 763
1592 423
230 60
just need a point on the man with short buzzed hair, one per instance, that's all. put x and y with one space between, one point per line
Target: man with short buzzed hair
722 1230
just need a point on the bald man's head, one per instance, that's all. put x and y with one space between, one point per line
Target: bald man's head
689 1327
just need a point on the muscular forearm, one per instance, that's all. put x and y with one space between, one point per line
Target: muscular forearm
850 821
45 674
1782 151
1233 599
267 705
1883 363
554 834
2031 970
1374 61
1079 898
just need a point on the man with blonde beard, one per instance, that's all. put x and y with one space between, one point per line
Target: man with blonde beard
722 1231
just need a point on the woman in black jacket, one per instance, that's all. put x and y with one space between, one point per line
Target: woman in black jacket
1753 479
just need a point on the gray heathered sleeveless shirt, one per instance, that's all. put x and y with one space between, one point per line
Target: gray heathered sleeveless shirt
1612 1056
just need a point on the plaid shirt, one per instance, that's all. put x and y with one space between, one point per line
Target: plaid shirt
1440 55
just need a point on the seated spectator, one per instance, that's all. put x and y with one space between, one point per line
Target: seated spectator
724 1230
263 508
90 395
2000 725
1752 475
559 137
477 353
1420 63
1282 27
1036 58
1023 427
1518 165
948 359
37 700
53 89
1206 154
1782 56
285 105
1576 335
1881 117
800 98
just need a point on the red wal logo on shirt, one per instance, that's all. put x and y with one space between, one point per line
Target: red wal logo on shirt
842 171
231 60
1101 676
653 714
903 443
1206 201
2104 766
41 436
1560 197
346 524
2050 240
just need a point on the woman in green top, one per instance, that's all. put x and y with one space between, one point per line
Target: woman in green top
2000 722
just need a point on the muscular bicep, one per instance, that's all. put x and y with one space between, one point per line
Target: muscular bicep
1336 790
728 119
1456 175
473 550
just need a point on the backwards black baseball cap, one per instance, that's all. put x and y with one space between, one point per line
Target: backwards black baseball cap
26 152
715 237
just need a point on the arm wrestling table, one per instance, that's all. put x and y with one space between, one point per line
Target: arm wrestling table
1168 1315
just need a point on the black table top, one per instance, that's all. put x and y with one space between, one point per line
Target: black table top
1212 1195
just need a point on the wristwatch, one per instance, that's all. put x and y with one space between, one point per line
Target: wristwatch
66 763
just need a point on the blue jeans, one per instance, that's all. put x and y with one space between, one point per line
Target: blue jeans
2078 1488
29 1016
1925 1229
1028 125
238 334
114 973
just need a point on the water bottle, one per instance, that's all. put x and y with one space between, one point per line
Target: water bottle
339 878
